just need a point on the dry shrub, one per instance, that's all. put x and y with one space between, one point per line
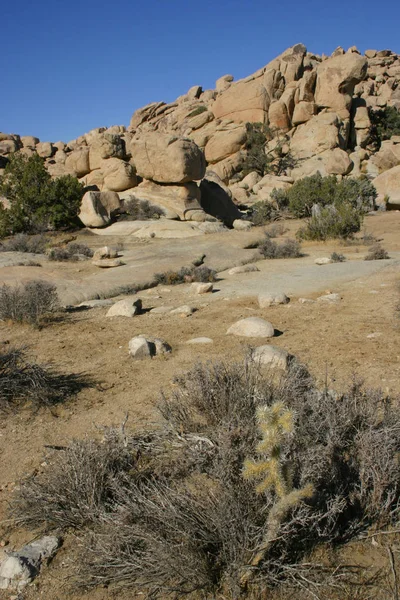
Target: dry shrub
28 303
135 209
23 381
376 252
22 242
72 252
169 511
186 274
337 258
287 249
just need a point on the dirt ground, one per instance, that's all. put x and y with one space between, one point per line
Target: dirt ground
360 336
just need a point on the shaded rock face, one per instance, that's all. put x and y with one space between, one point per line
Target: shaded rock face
98 208
317 108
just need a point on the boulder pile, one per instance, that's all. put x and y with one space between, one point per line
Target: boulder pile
187 157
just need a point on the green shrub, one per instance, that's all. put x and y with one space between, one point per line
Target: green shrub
287 249
376 252
197 111
384 124
262 213
341 221
28 303
38 203
256 159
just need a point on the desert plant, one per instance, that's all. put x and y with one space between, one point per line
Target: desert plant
337 258
135 209
37 202
28 303
197 111
341 221
29 263
287 249
22 242
25 382
384 123
72 251
186 275
169 511
376 252
262 213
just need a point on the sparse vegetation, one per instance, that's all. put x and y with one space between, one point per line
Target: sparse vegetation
287 249
38 202
22 242
72 251
341 221
175 510
135 209
258 158
384 124
25 382
186 275
376 252
29 303
263 212
197 111
337 258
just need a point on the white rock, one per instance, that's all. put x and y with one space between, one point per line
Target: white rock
157 345
105 252
21 567
332 298
201 288
241 225
200 340
272 356
108 263
266 299
184 310
125 308
251 268
252 327
306 301
139 348
323 261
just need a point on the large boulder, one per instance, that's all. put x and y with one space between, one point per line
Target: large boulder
178 201
216 199
317 135
105 145
77 161
98 208
336 79
118 175
388 185
242 102
225 143
252 327
167 159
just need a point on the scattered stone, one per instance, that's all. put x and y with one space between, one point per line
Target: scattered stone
271 356
21 567
374 335
323 261
251 268
105 252
200 340
125 308
252 327
108 263
306 301
266 299
241 225
201 288
143 346
184 310
332 298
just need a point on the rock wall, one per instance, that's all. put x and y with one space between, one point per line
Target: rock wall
317 107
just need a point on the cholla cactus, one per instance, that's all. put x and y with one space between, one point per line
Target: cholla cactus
275 423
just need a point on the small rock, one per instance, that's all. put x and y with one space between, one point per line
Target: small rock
271 356
266 299
21 567
200 340
323 261
139 348
105 252
332 298
243 269
241 225
201 288
108 263
374 335
306 301
252 327
125 308
184 310
161 310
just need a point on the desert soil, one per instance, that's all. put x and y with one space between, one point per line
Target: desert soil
360 336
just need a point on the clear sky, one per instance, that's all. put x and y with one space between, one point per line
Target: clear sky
68 66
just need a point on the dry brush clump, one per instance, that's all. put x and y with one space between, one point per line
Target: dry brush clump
31 302
186 275
23 382
177 509
287 249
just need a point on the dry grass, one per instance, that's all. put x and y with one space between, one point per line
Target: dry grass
29 303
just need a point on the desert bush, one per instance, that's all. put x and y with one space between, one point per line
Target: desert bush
337 258
262 213
72 251
186 275
275 230
360 194
29 263
257 159
384 124
23 381
197 111
341 221
170 511
22 242
287 249
28 303
38 202
135 209
376 252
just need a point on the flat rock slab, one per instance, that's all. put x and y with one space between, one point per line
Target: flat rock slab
252 327
108 263
243 269
329 298
200 340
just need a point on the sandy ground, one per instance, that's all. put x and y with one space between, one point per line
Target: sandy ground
359 335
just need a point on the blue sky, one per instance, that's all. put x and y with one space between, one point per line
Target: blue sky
68 67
